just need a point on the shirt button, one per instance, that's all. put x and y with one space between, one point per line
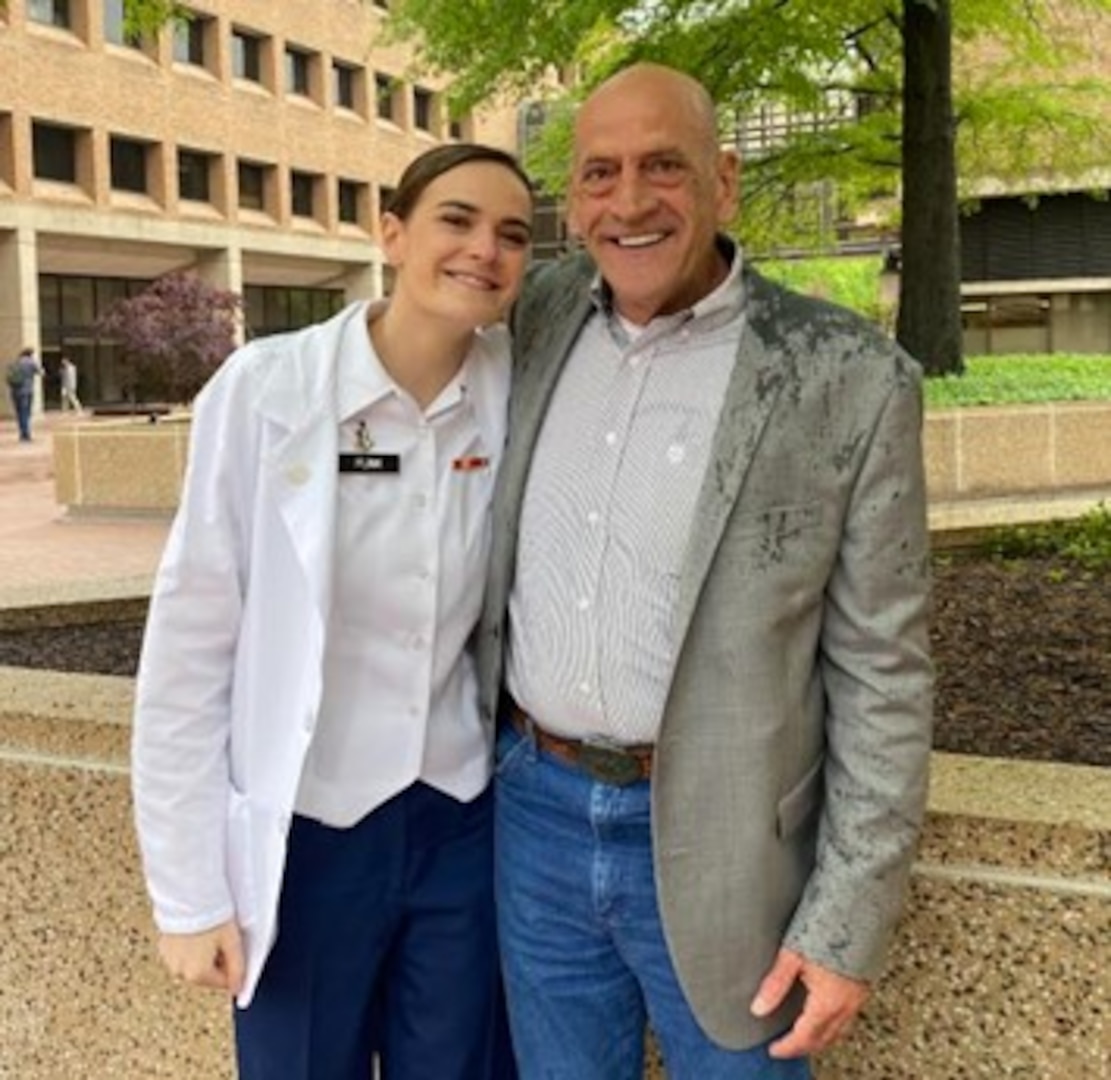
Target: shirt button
584 603
584 687
420 501
611 438
593 517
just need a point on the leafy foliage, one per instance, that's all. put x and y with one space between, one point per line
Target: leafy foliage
1085 540
1029 99
1024 379
174 335
852 281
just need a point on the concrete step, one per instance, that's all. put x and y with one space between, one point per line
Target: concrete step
50 717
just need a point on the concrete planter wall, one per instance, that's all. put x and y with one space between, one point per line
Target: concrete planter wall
1006 450
121 466
973 453
999 967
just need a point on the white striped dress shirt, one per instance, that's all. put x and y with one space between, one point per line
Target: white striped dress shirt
607 512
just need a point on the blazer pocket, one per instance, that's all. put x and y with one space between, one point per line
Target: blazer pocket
777 520
796 807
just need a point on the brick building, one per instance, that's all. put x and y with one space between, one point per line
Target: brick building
252 144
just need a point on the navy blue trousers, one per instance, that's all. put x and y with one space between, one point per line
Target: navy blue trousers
386 947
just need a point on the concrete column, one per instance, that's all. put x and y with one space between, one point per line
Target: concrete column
19 303
363 282
223 268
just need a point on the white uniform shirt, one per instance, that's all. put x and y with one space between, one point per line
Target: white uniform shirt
399 699
606 515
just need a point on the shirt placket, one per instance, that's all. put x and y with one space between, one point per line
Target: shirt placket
610 442
418 635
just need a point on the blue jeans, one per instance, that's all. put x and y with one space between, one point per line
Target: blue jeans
22 401
583 953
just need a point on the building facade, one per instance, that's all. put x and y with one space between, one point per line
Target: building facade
252 143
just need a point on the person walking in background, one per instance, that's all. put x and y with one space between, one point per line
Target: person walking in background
710 570
68 372
21 375
310 769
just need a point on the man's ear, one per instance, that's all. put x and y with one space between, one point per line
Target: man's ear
729 179
571 219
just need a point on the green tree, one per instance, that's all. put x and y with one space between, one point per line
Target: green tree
877 71
929 319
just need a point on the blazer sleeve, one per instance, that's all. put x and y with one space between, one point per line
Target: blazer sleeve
182 719
878 682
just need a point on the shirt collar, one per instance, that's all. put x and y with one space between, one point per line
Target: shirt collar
363 380
719 305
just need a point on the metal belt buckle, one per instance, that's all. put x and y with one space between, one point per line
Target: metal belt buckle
610 764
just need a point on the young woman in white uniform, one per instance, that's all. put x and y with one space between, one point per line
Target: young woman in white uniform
309 766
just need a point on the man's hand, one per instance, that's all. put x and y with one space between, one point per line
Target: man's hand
212 958
832 1002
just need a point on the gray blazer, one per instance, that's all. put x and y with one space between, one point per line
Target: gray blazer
791 767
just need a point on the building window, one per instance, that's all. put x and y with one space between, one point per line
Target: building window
129 164
49 12
385 198
349 196
272 309
383 92
115 26
194 171
302 187
189 39
69 309
54 151
252 185
246 55
297 71
455 129
422 108
344 78
382 5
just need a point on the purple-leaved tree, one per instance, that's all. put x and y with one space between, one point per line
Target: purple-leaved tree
173 335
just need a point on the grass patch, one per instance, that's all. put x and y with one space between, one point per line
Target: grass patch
1023 379
1085 540
849 280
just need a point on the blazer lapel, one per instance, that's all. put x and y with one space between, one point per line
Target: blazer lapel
754 387
540 352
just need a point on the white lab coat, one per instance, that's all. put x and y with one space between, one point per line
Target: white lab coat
229 686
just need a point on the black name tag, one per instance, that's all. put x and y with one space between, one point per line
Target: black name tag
370 463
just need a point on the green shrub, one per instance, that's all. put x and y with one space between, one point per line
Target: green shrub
1085 540
1023 379
849 280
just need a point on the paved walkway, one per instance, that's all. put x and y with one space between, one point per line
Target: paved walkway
46 554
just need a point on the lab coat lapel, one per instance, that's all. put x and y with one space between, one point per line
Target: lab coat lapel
303 465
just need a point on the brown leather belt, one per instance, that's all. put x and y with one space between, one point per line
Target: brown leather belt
610 763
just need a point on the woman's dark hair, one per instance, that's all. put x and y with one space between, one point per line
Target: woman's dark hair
441 159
